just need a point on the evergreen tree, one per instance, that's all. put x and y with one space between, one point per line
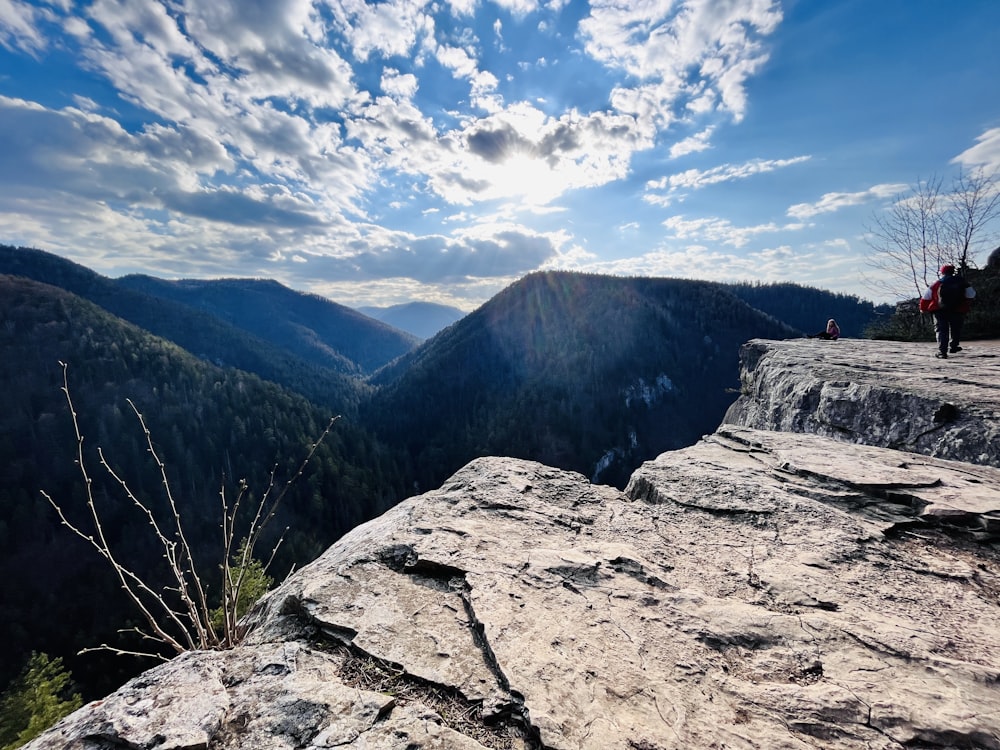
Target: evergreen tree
35 700
250 578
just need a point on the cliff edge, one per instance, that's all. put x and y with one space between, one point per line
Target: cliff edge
761 589
892 394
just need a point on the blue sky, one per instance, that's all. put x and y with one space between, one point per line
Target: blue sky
383 152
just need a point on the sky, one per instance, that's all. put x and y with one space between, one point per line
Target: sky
386 152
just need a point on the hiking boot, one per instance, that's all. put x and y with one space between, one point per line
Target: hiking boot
941 355
955 349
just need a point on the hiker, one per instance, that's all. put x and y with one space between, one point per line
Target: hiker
949 298
832 332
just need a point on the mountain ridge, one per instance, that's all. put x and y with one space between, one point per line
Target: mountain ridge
422 319
211 426
200 333
313 328
569 369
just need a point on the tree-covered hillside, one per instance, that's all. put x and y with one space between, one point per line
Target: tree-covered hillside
584 372
306 325
807 309
211 426
203 334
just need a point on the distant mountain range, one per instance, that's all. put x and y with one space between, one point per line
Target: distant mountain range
584 372
303 342
306 325
422 319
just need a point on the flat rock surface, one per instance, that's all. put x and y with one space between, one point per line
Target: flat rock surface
883 393
757 590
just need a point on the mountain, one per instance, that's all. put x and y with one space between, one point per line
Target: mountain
211 426
584 372
309 326
422 319
199 332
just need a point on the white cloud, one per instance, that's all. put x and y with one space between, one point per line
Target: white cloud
831 202
518 7
457 60
833 267
986 152
77 28
94 157
462 7
386 28
698 50
721 231
696 179
19 27
518 153
400 85
702 103
692 144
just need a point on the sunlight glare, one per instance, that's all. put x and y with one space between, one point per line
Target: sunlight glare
530 181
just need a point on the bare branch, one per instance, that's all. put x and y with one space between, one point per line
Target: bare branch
194 621
199 611
125 577
973 205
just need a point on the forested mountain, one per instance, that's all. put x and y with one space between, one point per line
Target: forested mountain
422 319
212 427
307 325
808 309
201 333
583 372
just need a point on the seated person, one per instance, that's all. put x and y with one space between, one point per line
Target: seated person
832 332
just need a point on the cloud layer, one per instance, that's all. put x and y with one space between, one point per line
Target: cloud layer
393 150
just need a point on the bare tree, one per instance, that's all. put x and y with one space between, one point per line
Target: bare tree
928 227
179 617
906 240
971 207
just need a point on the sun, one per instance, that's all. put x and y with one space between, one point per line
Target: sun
526 179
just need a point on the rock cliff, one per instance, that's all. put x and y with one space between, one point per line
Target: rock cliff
761 589
876 392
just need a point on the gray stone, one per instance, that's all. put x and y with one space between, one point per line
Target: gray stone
896 395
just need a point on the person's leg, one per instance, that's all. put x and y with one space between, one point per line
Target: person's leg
956 331
941 331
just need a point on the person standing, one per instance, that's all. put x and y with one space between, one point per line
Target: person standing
949 298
